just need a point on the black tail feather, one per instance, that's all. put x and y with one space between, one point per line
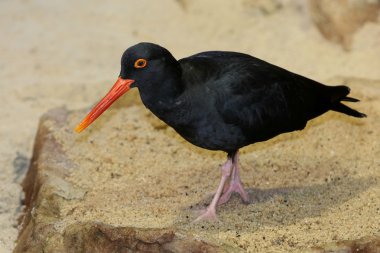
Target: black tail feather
350 99
339 94
347 110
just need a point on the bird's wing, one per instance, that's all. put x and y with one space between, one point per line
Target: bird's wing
207 67
254 94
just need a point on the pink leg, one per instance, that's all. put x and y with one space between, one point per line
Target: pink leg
210 212
235 184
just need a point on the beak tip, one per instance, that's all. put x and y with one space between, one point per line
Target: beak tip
79 128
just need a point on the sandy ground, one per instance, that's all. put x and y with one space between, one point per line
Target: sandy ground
67 53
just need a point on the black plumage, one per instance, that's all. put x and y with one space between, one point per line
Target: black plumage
227 100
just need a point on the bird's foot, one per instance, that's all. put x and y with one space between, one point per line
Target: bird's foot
209 214
234 186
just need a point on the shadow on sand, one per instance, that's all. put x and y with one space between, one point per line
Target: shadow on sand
288 205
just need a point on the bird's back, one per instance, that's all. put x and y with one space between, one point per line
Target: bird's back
249 99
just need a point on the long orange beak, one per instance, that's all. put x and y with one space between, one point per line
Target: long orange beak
119 88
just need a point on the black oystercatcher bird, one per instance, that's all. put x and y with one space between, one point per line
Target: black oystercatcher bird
222 101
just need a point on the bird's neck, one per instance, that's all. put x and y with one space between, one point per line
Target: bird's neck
161 95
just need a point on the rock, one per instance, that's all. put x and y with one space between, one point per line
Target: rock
45 227
338 20
363 245
126 185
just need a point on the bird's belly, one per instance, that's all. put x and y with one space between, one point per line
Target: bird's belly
213 135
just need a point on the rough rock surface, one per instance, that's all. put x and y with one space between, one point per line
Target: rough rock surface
130 184
362 245
338 20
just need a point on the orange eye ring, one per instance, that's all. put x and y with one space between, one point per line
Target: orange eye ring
140 63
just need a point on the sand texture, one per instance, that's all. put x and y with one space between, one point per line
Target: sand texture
131 172
64 53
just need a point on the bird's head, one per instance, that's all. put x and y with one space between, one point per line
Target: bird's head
141 66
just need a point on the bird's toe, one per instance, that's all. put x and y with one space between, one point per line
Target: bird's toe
208 214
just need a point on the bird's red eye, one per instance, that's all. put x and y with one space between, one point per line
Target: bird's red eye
140 63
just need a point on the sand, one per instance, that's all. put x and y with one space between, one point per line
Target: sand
60 53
